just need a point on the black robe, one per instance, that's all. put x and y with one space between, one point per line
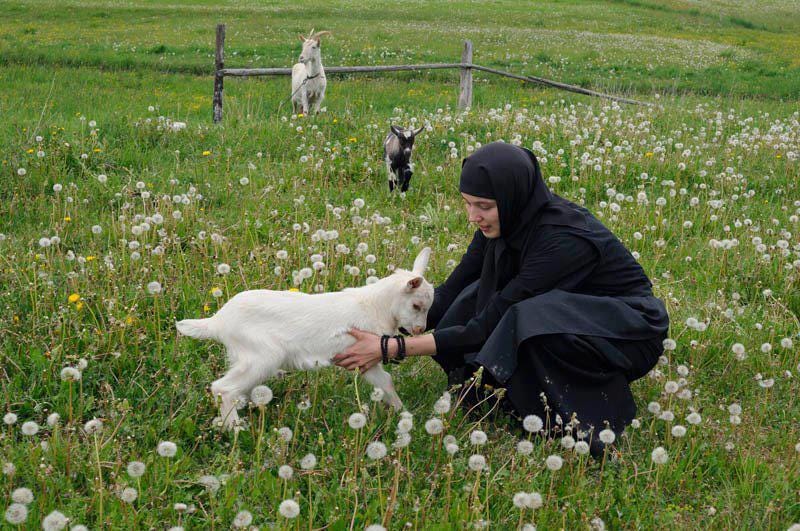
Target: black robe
568 315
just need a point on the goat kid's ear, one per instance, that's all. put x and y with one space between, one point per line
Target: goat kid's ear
396 130
413 284
421 261
418 131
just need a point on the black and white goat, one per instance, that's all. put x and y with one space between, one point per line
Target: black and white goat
397 155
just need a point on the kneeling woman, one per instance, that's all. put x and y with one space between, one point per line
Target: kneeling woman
546 299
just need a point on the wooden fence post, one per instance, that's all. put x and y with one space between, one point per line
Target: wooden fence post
219 77
465 87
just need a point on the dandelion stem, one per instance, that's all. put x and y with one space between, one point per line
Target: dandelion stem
99 480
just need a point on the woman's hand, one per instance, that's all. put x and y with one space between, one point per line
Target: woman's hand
363 355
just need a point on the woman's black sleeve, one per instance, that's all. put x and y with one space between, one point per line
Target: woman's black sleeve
466 272
559 260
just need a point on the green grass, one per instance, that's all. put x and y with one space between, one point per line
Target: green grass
725 80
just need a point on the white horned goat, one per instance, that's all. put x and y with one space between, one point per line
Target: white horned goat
397 154
308 75
265 332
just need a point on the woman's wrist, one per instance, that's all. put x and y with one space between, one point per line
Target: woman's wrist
423 345
392 348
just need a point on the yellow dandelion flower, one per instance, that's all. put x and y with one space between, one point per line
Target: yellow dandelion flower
206 153
129 319
74 298
778 156
353 139
90 258
30 150
206 308
97 150
648 154
67 219
293 289
16 318
335 121
79 306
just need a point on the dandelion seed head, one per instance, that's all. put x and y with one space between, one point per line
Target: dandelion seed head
377 394
93 426
403 439
582 448
55 521
136 469
167 449
405 425
597 524
376 450
554 462
285 434
30 428
659 456
22 495
16 513
285 472
261 395
532 423
525 447
70 374
607 436
434 426
477 438
308 462
289 509
357 421
242 519
128 495
476 462
520 500
441 406
211 484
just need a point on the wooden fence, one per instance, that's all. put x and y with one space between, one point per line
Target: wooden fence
465 86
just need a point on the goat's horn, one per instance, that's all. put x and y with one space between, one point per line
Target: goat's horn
321 33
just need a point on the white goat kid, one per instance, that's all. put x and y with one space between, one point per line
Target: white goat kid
266 331
308 75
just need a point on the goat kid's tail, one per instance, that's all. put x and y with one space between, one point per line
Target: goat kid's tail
196 328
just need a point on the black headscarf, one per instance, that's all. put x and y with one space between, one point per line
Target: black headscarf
510 175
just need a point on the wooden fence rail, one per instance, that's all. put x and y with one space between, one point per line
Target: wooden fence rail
465 86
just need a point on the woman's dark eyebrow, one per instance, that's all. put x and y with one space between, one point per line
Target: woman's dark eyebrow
482 203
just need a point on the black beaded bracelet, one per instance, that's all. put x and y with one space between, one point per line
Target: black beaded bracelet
401 349
385 349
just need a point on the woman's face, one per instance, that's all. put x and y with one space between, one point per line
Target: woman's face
483 212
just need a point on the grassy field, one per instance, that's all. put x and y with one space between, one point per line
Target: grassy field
100 199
